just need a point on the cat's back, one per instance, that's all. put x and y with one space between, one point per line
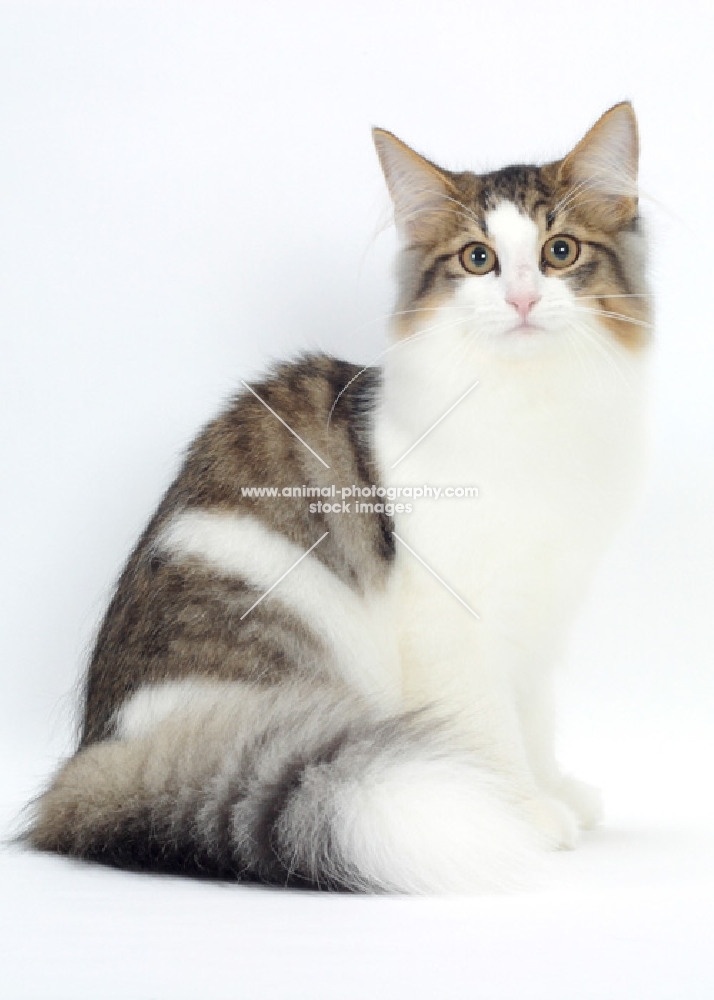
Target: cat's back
260 487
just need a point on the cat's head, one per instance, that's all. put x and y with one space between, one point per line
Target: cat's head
524 253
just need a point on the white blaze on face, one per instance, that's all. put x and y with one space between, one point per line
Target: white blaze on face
512 306
517 243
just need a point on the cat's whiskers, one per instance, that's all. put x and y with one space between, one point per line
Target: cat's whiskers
464 215
464 212
391 314
434 330
575 198
615 315
616 295
617 362
574 347
602 377
464 208
575 337
563 203
579 202
608 175
466 344
460 346
408 312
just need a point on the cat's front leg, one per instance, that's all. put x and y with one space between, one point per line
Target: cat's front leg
539 797
541 802
537 718
468 672
585 800
480 702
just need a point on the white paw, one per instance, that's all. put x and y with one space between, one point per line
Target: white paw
584 800
554 820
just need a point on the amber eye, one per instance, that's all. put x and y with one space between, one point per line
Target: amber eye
561 251
477 258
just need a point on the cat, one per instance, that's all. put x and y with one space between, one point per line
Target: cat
351 687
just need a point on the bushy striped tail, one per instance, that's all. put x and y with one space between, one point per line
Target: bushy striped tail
291 787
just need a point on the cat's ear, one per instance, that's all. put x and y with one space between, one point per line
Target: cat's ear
420 190
602 169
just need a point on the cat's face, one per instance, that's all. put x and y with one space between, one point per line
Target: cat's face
524 254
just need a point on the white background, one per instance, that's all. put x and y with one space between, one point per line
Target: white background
187 191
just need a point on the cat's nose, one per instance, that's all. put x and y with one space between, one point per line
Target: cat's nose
523 302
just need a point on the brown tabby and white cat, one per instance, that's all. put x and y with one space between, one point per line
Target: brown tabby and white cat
382 719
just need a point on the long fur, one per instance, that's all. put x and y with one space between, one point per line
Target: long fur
303 787
288 692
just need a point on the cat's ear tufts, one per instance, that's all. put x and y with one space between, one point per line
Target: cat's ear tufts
420 190
602 169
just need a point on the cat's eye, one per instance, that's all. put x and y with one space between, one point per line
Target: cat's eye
477 258
561 251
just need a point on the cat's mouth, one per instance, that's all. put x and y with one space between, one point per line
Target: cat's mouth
525 327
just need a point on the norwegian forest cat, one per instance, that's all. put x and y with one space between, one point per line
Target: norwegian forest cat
350 687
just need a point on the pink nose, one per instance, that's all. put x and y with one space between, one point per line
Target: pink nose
523 302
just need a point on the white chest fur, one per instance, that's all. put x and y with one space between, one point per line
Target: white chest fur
552 439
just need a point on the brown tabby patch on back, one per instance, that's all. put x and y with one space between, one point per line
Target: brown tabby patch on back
169 619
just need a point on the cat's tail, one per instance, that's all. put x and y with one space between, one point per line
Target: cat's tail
287 786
